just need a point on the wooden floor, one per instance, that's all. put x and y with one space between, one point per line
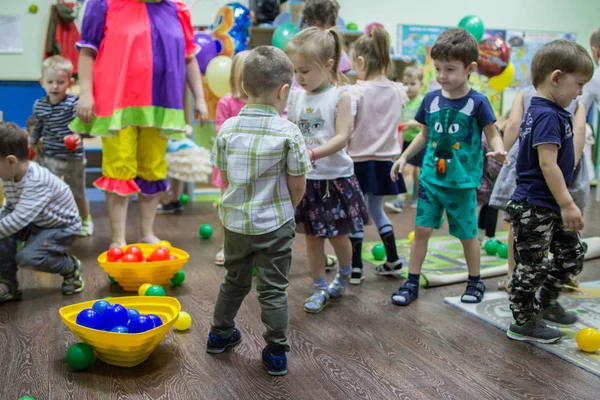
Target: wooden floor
360 348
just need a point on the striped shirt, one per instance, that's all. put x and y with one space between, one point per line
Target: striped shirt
257 150
39 199
52 125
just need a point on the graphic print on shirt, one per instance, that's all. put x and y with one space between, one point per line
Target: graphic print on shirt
311 122
450 128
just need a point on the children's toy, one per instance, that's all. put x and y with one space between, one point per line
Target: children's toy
178 278
378 252
184 321
206 231
80 356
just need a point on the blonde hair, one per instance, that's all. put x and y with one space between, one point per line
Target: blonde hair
313 44
267 68
235 79
412 72
57 63
374 47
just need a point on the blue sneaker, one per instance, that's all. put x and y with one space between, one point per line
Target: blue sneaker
275 360
216 344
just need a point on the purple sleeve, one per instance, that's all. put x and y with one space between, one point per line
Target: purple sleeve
546 129
345 64
92 27
485 114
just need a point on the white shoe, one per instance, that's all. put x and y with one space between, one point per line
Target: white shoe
87 227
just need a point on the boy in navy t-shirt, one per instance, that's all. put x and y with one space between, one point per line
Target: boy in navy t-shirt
544 216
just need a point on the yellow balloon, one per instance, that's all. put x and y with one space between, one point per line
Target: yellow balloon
164 243
143 288
411 236
183 322
502 81
217 75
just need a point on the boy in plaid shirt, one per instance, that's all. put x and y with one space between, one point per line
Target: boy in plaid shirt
263 160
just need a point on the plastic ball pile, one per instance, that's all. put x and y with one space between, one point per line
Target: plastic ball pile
494 247
115 318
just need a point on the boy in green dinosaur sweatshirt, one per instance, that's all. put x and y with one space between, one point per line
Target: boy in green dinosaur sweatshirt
453 118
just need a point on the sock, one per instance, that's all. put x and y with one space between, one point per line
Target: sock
474 278
345 270
357 250
491 219
320 283
276 349
414 278
389 242
413 282
4 289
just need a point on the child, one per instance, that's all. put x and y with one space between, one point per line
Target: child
52 115
263 162
374 142
39 210
544 216
453 119
412 77
333 206
229 106
132 95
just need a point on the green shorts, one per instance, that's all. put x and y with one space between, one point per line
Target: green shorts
460 206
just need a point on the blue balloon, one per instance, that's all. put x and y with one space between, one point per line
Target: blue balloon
115 315
155 319
101 305
140 324
241 16
132 312
90 319
120 329
285 18
240 40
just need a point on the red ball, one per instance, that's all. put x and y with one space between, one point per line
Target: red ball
31 154
400 127
159 255
114 254
136 252
128 257
71 142
165 249
172 258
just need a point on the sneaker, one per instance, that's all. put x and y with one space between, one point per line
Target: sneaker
555 313
534 330
274 358
73 280
216 344
395 205
170 208
13 291
87 227
220 258
414 204
357 276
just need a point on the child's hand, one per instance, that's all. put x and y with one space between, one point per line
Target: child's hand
85 109
78 141
201 111
189 130
572 218
397 168
500 156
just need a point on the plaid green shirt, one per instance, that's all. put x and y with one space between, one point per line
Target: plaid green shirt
257 150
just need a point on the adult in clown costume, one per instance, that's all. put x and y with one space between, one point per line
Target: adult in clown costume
135 58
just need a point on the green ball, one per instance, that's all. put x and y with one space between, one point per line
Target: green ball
80 356
254 271
502 250
155 290
178 278
491 247
26 398
352 26
206 231
378 252
184 199
33 9
112 279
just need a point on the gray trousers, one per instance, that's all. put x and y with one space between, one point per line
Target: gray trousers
271 254
45 250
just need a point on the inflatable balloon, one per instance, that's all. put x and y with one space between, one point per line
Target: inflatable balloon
283 34
473 25
217 75
231 28
282 19
494 56
208 49
502 81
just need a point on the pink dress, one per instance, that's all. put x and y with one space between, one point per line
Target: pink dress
227 107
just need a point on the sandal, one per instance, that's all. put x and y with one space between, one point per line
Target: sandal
330 262
316 302
410 292
335 288
504 284
475 289
13 292
388 268
220 258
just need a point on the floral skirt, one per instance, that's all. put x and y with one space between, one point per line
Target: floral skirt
332 208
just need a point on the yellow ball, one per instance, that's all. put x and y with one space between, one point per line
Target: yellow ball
143 288
164 243
411 236
183 322
588 340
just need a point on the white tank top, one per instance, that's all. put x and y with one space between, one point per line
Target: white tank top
315 116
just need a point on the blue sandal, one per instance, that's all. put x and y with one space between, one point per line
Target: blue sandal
475 289
410 292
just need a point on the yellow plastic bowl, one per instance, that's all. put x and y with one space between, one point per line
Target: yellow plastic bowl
125 349
130 276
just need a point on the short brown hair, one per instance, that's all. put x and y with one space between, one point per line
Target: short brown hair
595 39
266 69
374 47
13 141
564 55
237 69
320 13
58 63
412 72
456 44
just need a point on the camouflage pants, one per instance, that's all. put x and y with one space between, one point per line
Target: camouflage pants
538 231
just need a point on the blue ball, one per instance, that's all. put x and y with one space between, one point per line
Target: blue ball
132 312
120 329
101 305
155 319
115 315
140 324
90 319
